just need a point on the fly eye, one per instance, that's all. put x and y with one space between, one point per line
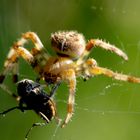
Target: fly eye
29 88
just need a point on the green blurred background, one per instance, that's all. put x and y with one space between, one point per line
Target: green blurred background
105 109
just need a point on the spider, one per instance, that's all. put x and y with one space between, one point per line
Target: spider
31 96
70 62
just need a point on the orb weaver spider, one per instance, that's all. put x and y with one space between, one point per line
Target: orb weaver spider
71 61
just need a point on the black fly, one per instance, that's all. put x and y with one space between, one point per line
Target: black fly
31 96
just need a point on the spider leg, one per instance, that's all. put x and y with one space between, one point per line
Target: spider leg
15 72
17 50
99 43
115 75
70 77
96 70
11 62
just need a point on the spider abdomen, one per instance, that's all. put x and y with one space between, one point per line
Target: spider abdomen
69 43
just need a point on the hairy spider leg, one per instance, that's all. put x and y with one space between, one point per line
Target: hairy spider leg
69 76
108 47
11 62
17 50
96 70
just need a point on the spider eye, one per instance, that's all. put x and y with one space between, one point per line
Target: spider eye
71 44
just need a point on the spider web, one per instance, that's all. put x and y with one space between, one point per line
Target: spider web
105 108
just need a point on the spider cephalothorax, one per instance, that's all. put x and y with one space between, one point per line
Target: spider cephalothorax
71 61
